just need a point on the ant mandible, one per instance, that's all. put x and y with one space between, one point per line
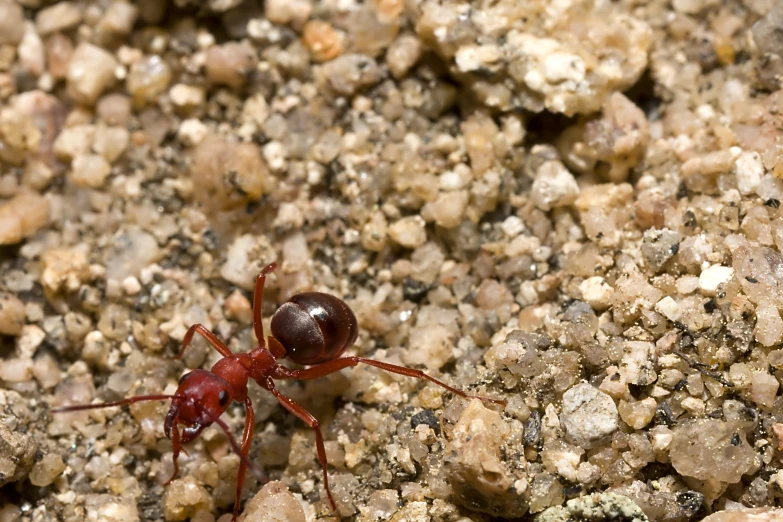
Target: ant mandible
312 329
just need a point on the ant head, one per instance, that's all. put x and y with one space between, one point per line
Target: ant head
201 399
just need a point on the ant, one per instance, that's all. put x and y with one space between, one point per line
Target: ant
312 329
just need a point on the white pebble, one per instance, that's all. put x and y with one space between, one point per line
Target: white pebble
192 132
714 276
596 292
669 308
749 171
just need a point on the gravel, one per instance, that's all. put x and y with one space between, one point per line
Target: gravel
572 206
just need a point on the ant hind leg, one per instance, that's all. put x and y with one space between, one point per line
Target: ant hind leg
313 423
336 365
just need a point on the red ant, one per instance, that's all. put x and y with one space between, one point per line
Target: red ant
312 329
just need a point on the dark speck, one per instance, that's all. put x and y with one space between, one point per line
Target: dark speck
710 306
735 440
772 202
413 290
690 502
664 415
532 429
751 279
426 417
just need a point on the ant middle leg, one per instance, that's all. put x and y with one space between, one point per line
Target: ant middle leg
247 437
313 423
336 365
211 338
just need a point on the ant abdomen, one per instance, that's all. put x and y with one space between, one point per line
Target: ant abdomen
314 327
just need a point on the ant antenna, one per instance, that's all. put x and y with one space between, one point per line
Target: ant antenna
129 400
260 475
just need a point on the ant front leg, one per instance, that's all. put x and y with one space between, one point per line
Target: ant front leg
247 437
258 307
336 365
176 447
211 338
313 423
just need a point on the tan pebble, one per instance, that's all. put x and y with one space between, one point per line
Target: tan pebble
46 470
238 307
90 72
119 18
90 170
114 109
722 453
17 454
227 174
322 40
148 78
294 12
111 142
58 18
11 22
192 132
73 141
63 267
389 10
763 514
403 54
187 97
183 498
637 414
46 371
763 389
777 430
12 315
409 232
230 64
274 503
58 55
448 210
477 466
22 216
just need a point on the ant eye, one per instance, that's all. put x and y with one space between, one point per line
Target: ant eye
223 398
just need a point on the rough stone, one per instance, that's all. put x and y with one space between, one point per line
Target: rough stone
589 416
711 449
481 480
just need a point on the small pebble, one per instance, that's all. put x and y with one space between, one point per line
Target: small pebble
273 503
589 416
183 498
12 314
90 170
17 455
91 71
710 449
408 232
11 22
58 18
46 470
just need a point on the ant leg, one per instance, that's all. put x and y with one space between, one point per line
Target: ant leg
211 338
313 423
258 302
176 448
336 365
246 439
